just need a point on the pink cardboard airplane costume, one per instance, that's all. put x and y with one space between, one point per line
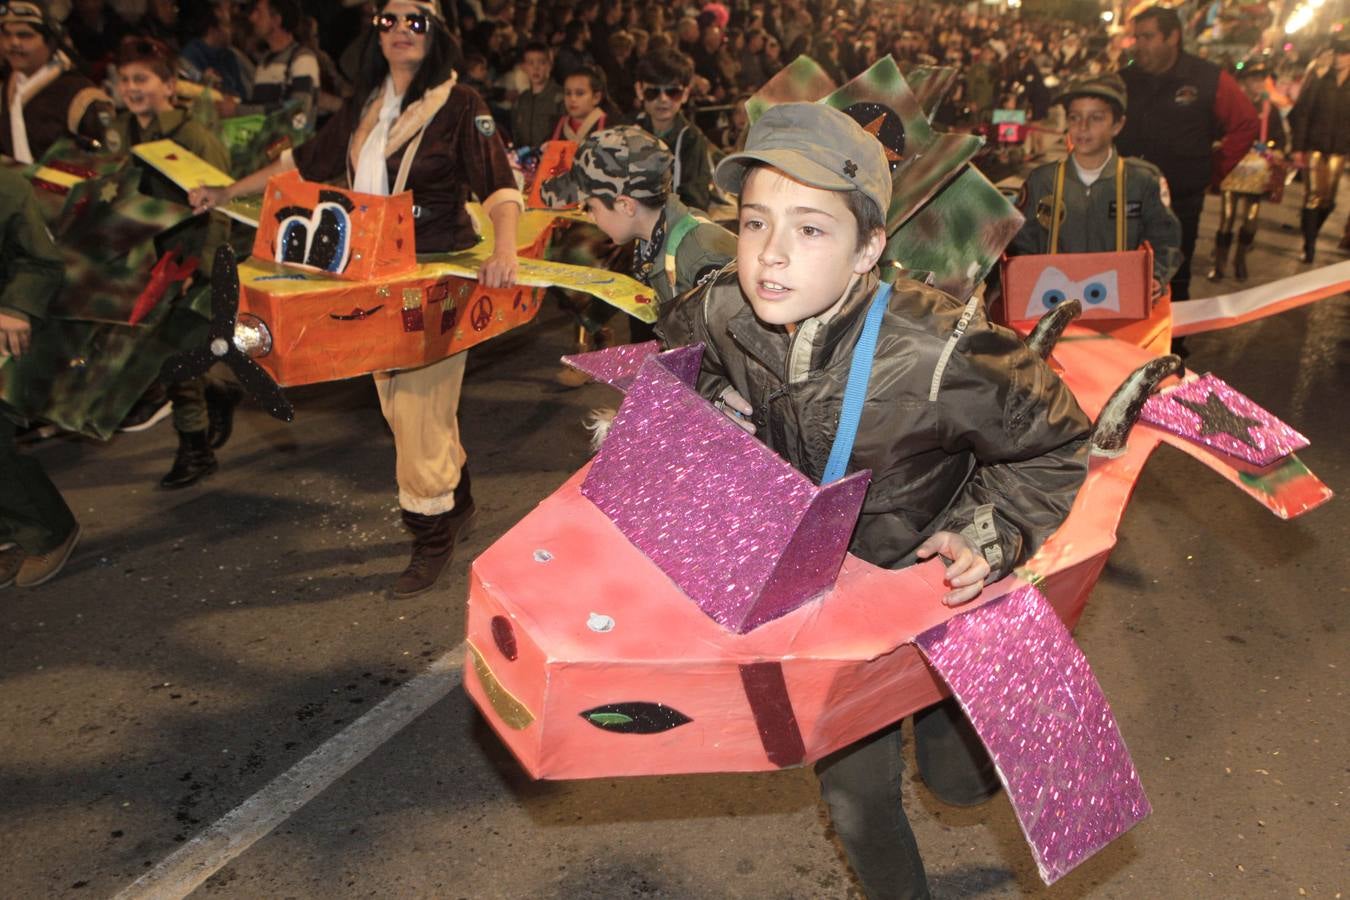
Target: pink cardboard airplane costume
686 603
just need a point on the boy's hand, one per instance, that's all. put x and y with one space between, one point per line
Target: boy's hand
15 334
967 570
736 408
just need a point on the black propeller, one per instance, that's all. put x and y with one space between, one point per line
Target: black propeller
220 344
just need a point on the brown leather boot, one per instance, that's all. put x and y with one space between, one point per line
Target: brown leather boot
434 539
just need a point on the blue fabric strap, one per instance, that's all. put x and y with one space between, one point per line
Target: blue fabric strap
859 373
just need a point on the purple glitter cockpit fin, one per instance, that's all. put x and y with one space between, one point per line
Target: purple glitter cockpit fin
744 535
1209 411
1036 705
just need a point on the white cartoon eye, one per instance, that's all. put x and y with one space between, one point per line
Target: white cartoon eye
1052 288
1101 291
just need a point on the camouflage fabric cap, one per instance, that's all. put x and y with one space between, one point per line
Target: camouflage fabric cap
624 160
1108 86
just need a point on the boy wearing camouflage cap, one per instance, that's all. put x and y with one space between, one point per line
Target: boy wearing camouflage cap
1081 192
976 448
622 177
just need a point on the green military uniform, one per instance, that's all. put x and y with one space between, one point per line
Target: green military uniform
32 513
1126 205
198 237
692 175
684 251
684 248
1088 213
534 115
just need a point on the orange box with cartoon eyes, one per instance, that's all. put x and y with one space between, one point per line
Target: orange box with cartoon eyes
1115 286
344 234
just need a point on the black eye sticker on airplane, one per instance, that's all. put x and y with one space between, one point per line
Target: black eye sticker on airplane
318 238
293 235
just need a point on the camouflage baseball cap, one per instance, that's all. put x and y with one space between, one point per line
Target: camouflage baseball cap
817 145
624 160
1108 86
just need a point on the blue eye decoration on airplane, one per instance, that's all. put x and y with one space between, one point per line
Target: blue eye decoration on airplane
1099 291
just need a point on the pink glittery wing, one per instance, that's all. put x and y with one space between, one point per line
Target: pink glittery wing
1035 703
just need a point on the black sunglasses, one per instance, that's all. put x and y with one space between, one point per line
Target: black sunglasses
386 22
652 91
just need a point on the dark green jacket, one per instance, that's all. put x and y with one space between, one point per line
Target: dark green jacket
1089 224
31 271
534 116
693 159
701 252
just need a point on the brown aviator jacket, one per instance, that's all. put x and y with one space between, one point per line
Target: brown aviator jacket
964 428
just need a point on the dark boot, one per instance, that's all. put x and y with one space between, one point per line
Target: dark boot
220 404
1311 221
1244 243
193 462
1222 242
434 539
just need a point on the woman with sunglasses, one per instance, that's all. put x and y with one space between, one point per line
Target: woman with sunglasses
411 126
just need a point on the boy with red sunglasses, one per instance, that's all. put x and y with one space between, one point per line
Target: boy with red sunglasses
663 80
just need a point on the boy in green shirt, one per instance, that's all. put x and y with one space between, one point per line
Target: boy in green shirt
623 176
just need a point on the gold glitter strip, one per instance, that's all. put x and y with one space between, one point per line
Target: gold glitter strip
508 708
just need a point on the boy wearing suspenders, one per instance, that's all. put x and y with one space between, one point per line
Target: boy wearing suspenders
1097 201
622 177
976 447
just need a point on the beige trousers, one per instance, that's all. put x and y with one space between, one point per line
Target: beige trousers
422 408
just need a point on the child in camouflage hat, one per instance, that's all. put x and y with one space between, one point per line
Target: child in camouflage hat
976 447
622 177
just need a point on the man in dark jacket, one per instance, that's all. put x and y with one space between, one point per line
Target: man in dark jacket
1179 105
1321 142
43 98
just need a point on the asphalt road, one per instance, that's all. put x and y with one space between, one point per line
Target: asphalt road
201 643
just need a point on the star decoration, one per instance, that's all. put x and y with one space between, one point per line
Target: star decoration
108 193
874 129
850 168
1215 418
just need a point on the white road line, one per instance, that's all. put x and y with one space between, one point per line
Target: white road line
218 844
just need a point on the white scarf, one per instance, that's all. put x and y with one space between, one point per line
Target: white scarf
23 87
372 170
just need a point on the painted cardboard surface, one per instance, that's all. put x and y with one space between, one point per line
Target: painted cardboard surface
1111 286
343 234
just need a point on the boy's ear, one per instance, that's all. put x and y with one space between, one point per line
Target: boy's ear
1120 123
870 252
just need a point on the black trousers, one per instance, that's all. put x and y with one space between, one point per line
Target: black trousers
861 785
1187 208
